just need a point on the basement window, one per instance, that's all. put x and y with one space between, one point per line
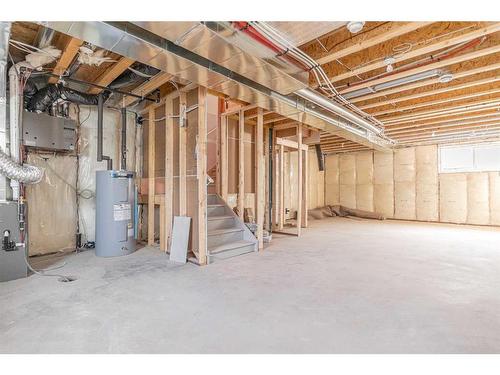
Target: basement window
469 158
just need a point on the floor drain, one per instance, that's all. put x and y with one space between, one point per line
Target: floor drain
67 279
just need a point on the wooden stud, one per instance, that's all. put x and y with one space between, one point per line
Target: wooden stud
182 155
201 167
66 58
299 178
163 237
305 184
151 177
169 170
223 157
241 163
281 223
111 74
260 178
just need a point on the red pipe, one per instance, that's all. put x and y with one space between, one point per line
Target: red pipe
249 30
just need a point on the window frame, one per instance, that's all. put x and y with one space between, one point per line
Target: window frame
475 168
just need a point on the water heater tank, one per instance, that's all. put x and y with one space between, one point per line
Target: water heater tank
115 213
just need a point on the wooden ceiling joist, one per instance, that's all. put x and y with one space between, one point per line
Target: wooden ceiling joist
427 49
367 39
452 118
428 82
437 102
67 57
439 64
111 74
147 87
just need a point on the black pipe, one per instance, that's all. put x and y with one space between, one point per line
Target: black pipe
156 100
321 158
124 140
100 115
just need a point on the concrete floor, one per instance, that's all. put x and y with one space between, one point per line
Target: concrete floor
346 286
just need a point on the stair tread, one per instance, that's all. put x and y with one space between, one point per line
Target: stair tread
225 230
220 217
229 246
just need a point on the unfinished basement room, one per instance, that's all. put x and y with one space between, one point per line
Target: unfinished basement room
249 187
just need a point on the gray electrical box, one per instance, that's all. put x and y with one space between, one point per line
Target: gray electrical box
115 213
48 132
12 258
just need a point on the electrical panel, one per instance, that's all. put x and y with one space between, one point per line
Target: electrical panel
41 130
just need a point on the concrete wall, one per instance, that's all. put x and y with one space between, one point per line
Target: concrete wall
405 184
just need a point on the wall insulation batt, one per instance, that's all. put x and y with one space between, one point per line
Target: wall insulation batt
407 185
364 181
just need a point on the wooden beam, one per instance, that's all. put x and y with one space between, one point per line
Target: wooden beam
111 74
419 69
291 144
299 178
442 128
431 93
169 170
427 49
260 178
223 157
370 38
147 87
182 156
66 58
241 164
151 178
238 110
201 168
447 122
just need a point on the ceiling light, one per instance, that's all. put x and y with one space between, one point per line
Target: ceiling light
388 61
445 78
355 26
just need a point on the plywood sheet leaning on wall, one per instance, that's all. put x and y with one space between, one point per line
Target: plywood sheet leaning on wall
494 180
404 184
383 183
332 188
453 197
364 181
478 207
427 186
347 180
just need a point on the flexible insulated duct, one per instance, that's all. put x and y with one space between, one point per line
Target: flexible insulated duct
46 96
27 174
136 73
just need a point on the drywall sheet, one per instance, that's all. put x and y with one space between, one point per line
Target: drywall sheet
332 188
52 205
427 187
453 197
478 207
404 184
494 179
347 178
364 181
383 183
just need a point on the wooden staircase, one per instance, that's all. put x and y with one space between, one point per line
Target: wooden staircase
227 235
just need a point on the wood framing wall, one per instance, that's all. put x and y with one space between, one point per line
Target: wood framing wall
174 180
405 184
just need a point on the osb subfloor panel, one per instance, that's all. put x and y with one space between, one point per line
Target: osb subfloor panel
345 286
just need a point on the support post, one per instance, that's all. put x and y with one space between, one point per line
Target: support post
151 177
223 157
305 188
282 188
241 162
201 167
169 170
182 154
260 183
299 173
